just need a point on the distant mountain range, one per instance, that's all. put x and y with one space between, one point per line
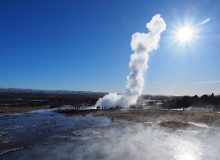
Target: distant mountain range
39 91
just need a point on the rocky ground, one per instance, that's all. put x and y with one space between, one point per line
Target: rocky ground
178 117
51 126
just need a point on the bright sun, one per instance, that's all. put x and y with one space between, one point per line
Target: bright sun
185 34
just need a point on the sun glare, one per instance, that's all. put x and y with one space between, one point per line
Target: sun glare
185 34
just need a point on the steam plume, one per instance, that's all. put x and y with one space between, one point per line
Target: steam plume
142 44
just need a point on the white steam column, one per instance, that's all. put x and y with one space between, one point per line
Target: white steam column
142 44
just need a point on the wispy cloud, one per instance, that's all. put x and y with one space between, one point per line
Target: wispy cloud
206 82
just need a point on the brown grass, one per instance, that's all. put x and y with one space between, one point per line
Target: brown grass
20 109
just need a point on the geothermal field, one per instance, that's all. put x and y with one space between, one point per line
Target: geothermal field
73 128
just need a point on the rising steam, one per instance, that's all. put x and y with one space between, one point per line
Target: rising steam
142 44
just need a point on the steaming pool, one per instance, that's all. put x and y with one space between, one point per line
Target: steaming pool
99 137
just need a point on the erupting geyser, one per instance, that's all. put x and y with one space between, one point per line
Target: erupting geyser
142 44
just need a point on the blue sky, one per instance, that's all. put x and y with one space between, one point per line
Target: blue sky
85 45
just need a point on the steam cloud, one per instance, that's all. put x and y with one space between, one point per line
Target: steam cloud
142 44
137 141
